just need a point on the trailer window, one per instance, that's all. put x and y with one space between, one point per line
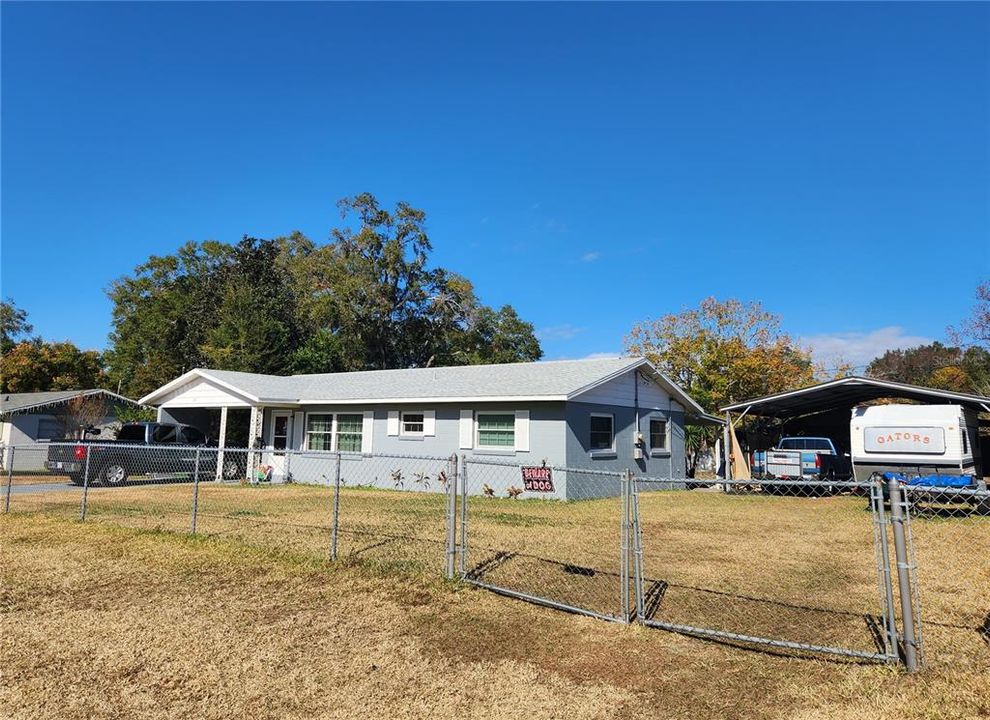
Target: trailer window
965 441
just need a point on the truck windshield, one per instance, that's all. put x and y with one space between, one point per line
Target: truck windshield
131 433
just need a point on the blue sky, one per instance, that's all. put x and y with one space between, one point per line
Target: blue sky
592 165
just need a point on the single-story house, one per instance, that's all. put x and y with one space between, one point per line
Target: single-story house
602 414
30 420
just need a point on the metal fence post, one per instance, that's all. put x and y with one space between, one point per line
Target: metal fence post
637 549
883 566
10 477
195 507
624 550
452 516
463 478
85 494
287 478
336 511
903 575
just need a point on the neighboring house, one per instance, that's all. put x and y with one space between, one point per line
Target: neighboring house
573 413
30 419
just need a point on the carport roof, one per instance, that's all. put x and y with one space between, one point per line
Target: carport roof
848 392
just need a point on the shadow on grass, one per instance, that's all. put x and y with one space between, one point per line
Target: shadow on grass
599 591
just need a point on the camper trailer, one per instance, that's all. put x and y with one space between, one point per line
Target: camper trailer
921 439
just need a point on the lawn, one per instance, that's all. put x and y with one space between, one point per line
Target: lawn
126 615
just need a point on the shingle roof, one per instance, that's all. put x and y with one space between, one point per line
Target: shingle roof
554 380
14 403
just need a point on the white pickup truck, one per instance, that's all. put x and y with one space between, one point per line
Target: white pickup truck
806 458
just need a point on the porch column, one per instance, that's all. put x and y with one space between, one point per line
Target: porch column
222 443
254 435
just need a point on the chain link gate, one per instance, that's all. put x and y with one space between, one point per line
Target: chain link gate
698 588
526 539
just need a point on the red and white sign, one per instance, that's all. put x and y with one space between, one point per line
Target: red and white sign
537 479
904 440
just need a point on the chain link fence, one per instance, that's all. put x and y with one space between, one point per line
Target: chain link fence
948 555
792 566
517 540
868 571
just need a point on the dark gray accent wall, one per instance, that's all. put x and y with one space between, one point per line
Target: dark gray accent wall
659 464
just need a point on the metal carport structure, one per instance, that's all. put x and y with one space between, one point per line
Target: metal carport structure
835 396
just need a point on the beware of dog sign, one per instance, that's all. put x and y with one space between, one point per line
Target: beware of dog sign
537 479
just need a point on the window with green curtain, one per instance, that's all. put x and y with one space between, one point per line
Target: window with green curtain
349 432
496 430
318 431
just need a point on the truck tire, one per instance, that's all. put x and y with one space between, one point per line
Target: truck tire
232 470
113 474
76 480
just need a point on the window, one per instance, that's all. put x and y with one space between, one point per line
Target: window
658 434
412 423
496 430
602 432
319 432
164 434
965 441
131 433
49 429
192 436
349 432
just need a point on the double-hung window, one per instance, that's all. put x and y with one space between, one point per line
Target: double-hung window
319 431
496 430
412 424
658 435
349 432
602 436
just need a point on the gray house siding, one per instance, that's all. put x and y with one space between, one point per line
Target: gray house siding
392 454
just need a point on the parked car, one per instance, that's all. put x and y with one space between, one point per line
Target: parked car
112 462
803 458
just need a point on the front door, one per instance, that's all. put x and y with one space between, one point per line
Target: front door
278 440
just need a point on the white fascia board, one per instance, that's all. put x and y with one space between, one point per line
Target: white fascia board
673 388
150 398
439 399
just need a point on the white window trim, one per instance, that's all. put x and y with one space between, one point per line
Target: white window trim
333 431
658 452
507 449
602 452
402 424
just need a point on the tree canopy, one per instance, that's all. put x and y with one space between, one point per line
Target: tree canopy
35 365
13 325
367 299
936 365
723 350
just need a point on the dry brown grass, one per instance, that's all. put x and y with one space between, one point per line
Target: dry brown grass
99 620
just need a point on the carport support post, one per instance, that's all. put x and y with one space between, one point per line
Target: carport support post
10 478
452 516
221 442
903 574
727 451
195 507
336 511
85 494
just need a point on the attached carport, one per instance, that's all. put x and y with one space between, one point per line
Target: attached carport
825 409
